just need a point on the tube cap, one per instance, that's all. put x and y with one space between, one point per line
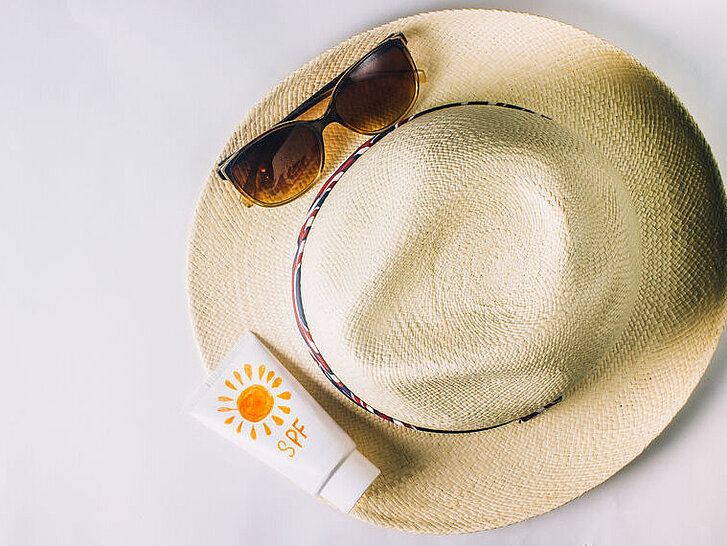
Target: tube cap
349 481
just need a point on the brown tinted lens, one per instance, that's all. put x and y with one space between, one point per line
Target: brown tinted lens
379 91
279 166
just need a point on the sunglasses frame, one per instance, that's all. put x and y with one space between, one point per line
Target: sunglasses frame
317 125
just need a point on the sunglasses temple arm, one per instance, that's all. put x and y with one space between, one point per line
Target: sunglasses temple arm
324 91
319 95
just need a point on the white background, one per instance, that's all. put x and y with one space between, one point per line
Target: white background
111 113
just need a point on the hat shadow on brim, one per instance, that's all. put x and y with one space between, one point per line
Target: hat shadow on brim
680 70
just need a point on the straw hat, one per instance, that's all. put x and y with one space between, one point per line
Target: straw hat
479 263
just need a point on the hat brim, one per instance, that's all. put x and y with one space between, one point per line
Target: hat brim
240 265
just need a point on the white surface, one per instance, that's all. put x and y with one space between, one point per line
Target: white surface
111 114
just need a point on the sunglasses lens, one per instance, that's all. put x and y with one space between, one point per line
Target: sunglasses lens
280 166
379 91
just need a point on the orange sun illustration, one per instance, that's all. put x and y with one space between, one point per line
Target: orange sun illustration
255 399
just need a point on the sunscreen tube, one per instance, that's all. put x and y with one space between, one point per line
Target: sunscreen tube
252 400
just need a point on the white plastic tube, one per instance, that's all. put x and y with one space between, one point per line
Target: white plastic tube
252 400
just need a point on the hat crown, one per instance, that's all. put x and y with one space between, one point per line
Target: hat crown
471 267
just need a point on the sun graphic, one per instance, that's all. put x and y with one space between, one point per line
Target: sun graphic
255 399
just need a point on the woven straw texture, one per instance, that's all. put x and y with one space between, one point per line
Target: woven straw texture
471 267
655 170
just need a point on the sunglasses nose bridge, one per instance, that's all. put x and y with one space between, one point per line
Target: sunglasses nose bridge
331 116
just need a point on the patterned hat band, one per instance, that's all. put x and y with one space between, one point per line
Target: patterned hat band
298 301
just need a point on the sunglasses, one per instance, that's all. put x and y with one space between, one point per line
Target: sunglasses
368 97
